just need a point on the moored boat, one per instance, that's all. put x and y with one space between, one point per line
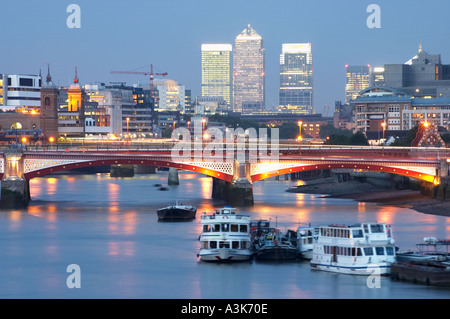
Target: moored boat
425 272
225 236
356 249
176 213
431 249
306 237
274 245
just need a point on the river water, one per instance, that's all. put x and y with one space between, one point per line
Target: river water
109 228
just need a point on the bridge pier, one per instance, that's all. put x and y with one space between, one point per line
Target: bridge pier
15 189
173 177
238 192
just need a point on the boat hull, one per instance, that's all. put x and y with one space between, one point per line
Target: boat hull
176 214
225 255
276 253
365 270
425 272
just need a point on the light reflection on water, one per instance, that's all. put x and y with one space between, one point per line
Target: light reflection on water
109 227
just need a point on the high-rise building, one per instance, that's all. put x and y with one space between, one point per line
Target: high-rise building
357 79
296 78
216 71
248 72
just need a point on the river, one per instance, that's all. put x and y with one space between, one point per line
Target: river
109 228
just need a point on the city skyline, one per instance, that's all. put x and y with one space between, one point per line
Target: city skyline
102 44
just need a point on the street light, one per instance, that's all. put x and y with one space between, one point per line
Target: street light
384 128
300 138
128 136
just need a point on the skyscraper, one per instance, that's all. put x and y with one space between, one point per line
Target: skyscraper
216 71
357 79
296 78
248 72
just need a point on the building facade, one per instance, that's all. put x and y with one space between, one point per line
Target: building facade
397 111
216 71
20 91
248 72
296 78
357 79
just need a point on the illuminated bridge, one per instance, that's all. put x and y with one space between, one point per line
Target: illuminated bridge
429 165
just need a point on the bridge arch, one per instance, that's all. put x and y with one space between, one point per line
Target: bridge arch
41 167
425 174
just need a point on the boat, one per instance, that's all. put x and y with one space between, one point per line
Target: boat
431 249
424 272
358 249
176 213
225 236
274 245
306 237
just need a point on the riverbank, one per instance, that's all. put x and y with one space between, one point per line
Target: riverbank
365 192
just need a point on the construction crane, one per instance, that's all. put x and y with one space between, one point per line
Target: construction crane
143 73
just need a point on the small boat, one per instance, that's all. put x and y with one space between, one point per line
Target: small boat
274 245
357 249
425 272
306 237
176 213
431 249
225 236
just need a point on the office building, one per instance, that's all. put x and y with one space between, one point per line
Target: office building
216 71
424 75
20 91
248 72
296 78
357 79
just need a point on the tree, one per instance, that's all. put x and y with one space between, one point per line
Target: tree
358 139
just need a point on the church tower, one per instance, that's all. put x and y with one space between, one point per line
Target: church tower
49 109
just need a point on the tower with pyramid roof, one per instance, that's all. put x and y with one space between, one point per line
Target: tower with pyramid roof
248 72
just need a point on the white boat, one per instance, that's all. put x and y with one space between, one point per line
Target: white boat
431 249
361 249
306 237
225 236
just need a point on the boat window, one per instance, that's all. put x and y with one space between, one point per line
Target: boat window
353 251
366 228
376 228
347 233
243 244
224 244
205 245
216 228
368 251
234 227
390 251
358 252
235 245
379 251
243 228
206 228
225 227
213 244
357 233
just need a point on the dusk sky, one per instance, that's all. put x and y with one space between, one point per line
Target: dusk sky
126 35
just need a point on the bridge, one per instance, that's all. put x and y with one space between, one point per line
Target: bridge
233 178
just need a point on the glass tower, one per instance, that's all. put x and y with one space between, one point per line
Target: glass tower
358 79
296 78
216 71
248 72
